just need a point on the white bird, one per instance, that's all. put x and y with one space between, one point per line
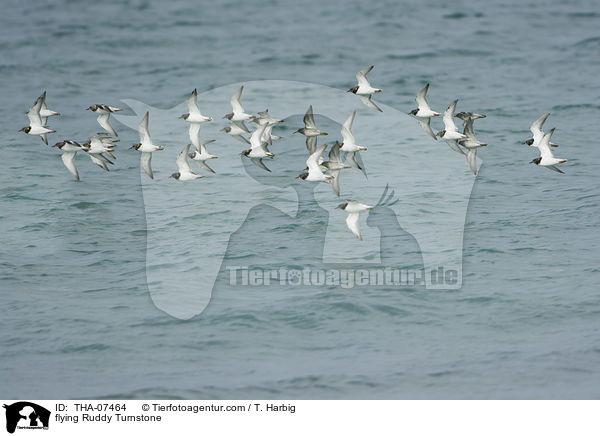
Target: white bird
36 126
44 111
146 146
364 87
97 148
185 172
104 112
315 172
194 115
237 129
471 144
69 149
354 208
424 112
335 165
450 130
349 142
201 155
537 132
257 146
238 113
546 158
365 90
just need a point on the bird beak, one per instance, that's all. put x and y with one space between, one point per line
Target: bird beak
436 115
379 90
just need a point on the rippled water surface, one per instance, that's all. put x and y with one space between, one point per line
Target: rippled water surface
77 316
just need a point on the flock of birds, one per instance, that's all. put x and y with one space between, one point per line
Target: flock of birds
100 148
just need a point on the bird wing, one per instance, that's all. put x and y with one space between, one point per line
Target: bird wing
105 124
97 159
309 119
256 137
422 98
544 145
259 163
194 133
536 128
182 162
367 101
352 223
472 159
335 181
311 144
426 126
351 157
349 121
469 130
235 101
361 76
34 113
146 161
313 160
192 103
68 158
241 125
449 117
143 130
202 164
334 153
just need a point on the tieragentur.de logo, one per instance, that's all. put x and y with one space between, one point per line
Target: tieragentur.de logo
26 415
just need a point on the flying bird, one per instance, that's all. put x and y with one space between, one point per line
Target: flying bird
104 112
69 150
315 171
238 113
236 130
537 132
354 208
36 126
146 146
201 155
184 171
424 112
194 115
335 165
44 111
310 130
546 158
364 89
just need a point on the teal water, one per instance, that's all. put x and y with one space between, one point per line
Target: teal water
77 316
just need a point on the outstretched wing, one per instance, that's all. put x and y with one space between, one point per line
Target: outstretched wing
352 223
536 127
105 124
146 161
34 113
422 98
361 76
68 158
182 162
313 160
367 101
309 119
235 101
449 117
143 130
